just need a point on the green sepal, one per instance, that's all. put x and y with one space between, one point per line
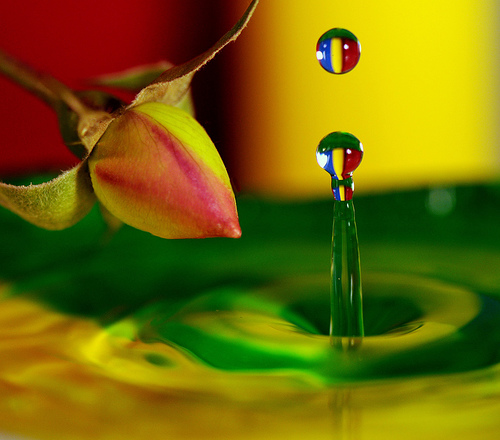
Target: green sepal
137 78
171 86
55 205
133 79
68 119
113 223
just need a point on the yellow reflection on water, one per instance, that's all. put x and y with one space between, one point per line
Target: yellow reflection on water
64 377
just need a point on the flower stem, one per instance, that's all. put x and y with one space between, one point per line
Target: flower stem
44 86
91 122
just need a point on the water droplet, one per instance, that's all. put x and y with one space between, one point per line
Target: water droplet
340 153
338 51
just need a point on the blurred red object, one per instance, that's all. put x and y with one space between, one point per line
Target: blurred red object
74 41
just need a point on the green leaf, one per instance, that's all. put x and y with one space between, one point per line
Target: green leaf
172 85
57 204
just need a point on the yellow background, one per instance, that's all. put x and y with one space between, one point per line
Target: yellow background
422 100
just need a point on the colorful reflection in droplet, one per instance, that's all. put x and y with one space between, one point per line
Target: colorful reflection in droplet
340 153
338 51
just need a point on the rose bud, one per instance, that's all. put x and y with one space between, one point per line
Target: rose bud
156 169
150 164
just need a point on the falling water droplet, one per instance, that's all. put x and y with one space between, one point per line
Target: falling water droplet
338 51
340 153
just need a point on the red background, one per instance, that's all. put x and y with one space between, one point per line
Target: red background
75 40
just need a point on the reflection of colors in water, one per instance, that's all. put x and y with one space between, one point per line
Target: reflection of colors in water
338 51
145 338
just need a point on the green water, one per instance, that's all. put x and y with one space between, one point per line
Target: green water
345 292
422 271
139 337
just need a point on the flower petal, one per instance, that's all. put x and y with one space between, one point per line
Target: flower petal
57 204
157 170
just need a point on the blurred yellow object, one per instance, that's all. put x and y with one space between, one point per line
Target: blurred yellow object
422 99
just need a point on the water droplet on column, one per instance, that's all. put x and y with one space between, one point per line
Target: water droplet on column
338 51
340 153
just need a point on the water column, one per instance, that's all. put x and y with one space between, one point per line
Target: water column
340 153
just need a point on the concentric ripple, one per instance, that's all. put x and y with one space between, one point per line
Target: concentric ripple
415 326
